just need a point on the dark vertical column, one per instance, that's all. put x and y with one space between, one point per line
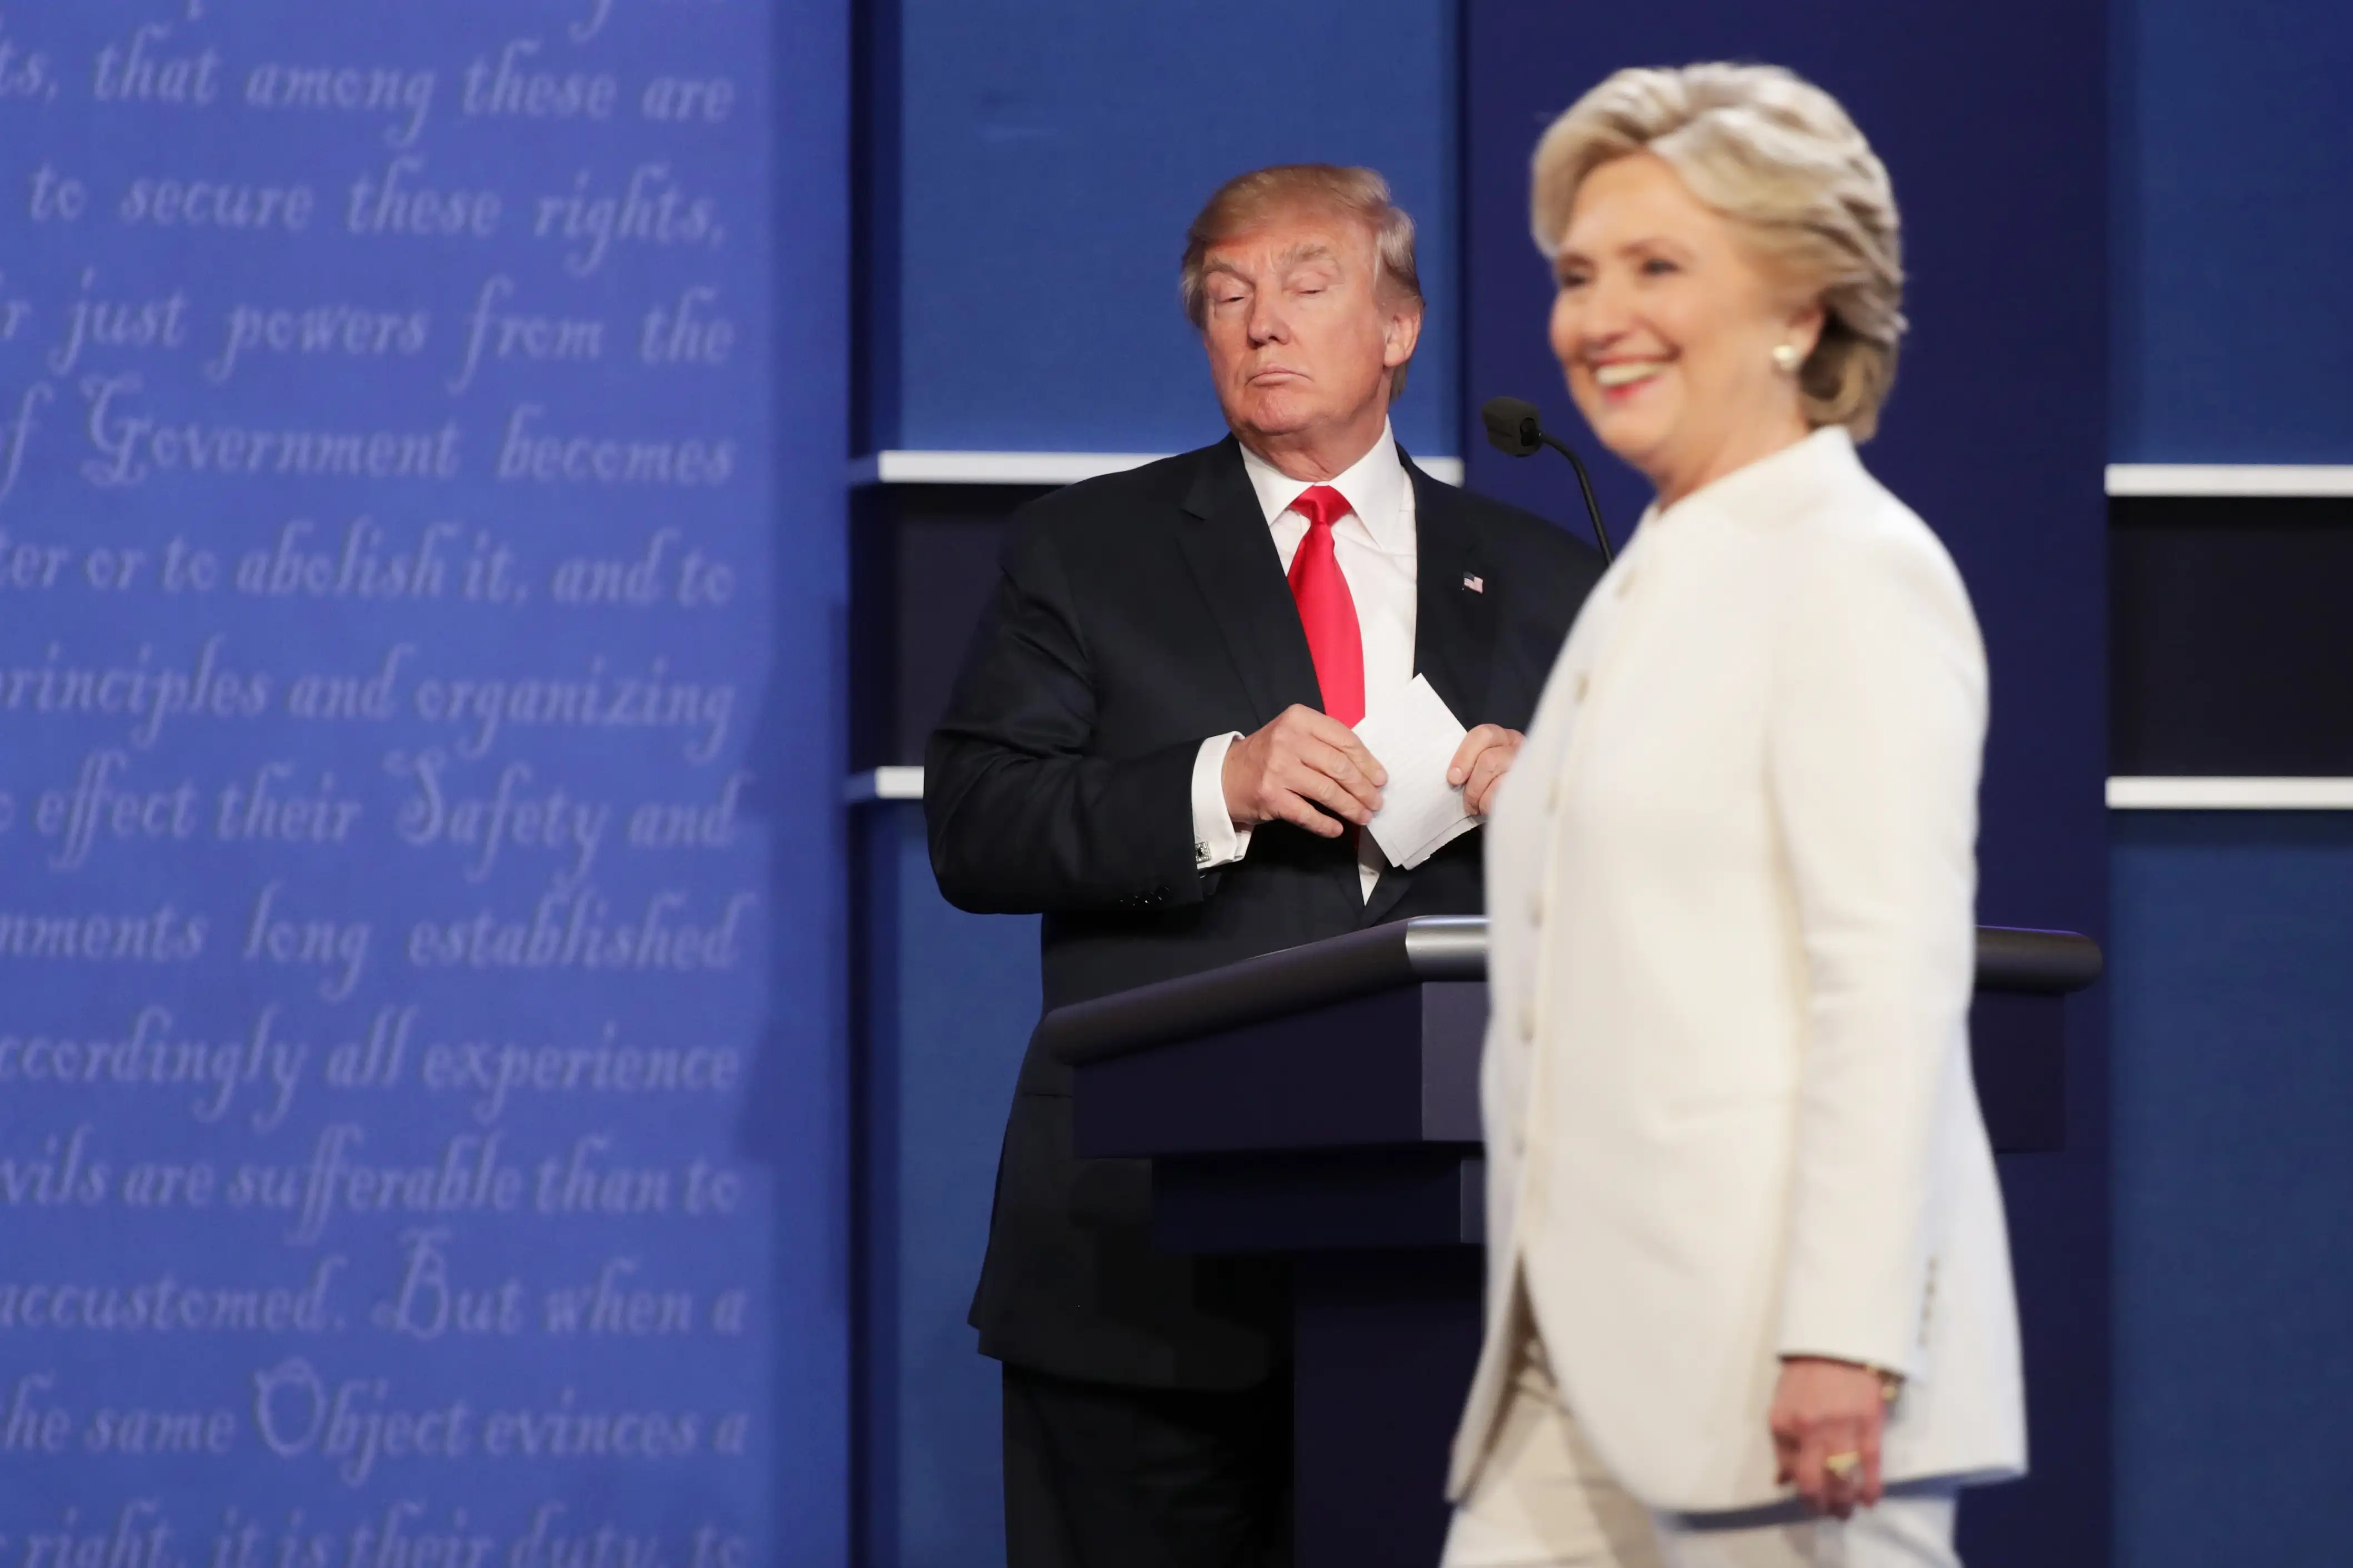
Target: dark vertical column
1384 1346
875 154
876 837
798 1113
1997 435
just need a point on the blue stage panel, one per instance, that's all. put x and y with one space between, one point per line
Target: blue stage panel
2234 331
2233 1262
1049 156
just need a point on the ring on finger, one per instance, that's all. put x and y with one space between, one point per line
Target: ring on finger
1843 1464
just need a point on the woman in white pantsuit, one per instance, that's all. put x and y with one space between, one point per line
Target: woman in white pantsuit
1749 1298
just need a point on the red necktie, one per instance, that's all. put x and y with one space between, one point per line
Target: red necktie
1326 609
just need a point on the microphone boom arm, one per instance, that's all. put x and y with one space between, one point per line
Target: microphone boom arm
1515 428
1584 483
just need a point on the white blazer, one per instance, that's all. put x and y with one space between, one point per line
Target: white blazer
1730 885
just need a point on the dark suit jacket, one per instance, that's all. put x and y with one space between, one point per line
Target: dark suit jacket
1138 615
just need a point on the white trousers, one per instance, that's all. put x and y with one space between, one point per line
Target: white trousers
1544 1500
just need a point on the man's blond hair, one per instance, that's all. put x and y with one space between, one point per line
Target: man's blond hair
1247 201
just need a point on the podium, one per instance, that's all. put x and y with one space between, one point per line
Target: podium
1322 1103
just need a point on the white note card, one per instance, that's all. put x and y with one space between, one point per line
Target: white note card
1413 734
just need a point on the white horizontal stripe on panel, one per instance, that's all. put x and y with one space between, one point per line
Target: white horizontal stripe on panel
2124 793
883 784
2230 479
1035 468
2159 793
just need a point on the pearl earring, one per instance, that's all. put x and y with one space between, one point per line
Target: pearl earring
1786 358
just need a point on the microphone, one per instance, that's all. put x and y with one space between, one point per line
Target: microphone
1514 426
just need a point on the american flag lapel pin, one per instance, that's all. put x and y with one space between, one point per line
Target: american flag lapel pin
1476 585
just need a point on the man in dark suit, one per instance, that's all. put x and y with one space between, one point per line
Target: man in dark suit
1150 743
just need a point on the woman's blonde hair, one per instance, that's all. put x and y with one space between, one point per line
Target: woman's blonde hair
1777 156
1247 200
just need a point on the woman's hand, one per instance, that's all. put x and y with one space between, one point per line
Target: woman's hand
1822 1412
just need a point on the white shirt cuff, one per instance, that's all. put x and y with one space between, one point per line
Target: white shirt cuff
1215 840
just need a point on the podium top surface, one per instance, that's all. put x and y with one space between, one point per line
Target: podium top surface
1409 952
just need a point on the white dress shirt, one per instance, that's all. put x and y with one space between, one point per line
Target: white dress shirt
1374 545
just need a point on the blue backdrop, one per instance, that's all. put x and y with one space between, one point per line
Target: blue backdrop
420 1080
1049 156
2232 144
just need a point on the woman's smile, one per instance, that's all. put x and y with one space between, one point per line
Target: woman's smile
1620 379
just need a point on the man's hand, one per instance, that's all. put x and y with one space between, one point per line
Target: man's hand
1303 761
1827 1411
1480 762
